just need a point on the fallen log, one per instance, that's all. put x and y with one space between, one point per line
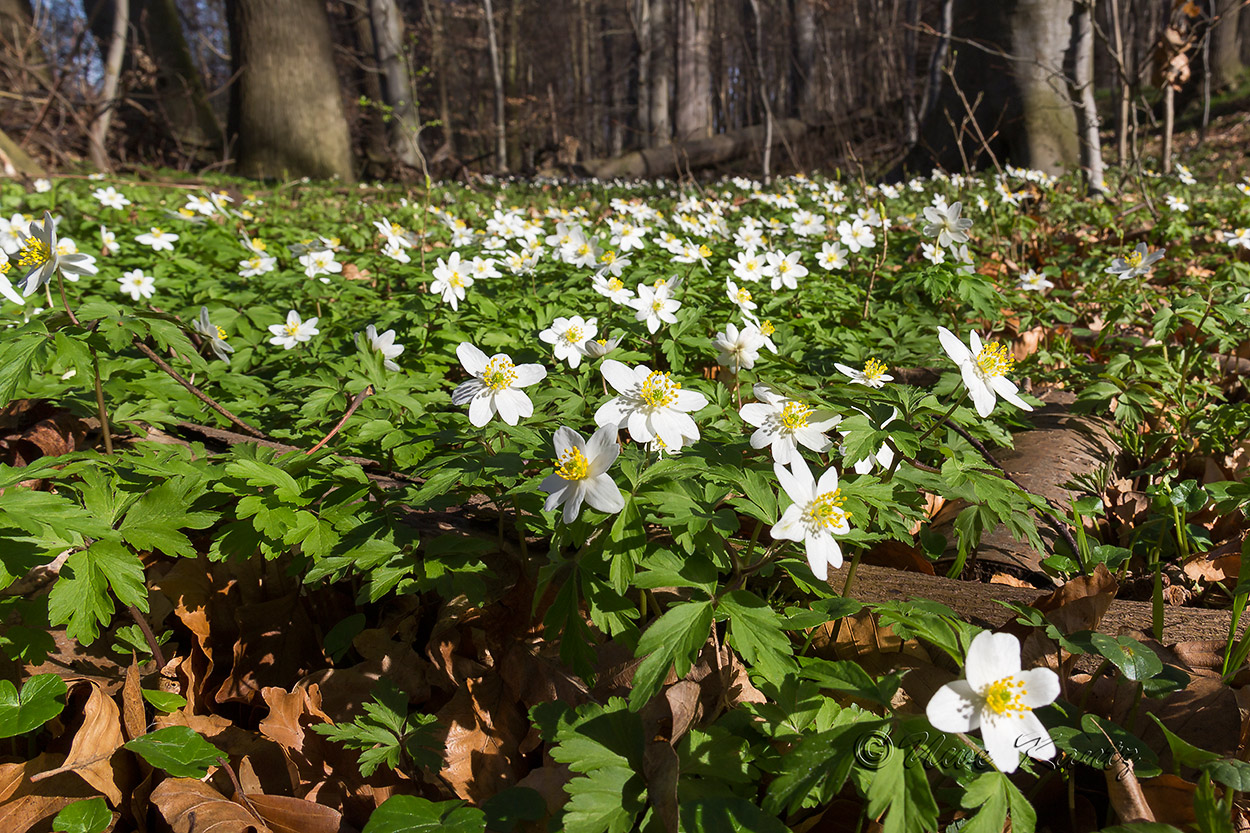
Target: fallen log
677 157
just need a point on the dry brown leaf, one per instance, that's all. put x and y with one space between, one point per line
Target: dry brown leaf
1171 798
134 714
191 806
1125 792
660 769
683 703
483 732
284 814
26 803
1010 581
14 776
396 661
91 755
532 670
899 556
1081 603
277 643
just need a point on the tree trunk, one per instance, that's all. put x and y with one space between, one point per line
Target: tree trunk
694 70
1019 101
98 133
811 105
661 120
496 75
397 88
371 127
288 113
768 110
677 157
1083 78
16 162
642 30
911 116
442 69
1226 45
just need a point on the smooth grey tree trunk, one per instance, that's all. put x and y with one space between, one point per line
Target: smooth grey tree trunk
98 133
397 88
694 70
810 94
496 75
661 121
642 32
1020 101
1083 82
288 110
1226 45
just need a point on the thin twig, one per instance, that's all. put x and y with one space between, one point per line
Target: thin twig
351 409
153 646
196 392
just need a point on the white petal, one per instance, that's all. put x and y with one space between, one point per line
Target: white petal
611 413
991 657
603 494
755 414
481 409
566 438
528 374
828 481
473 359
602 450
954 348
506 406
954 708
1041 687
620 377
790 527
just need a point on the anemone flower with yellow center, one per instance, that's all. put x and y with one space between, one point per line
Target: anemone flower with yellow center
580 474
649 404
814 517
998 698
984 368
495 386
784 424
567 337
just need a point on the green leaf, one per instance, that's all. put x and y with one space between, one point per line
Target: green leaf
900 791
16 360
844 675
605 800
259 474
91 815
155 521
1135 660
413 814
1184 753
629 542
672 640
80 599
1209 812
506 809
994 793
178 750
164 701
755 631
35 706
727 813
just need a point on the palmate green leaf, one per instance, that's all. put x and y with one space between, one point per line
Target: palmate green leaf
730 814
413 814
90 815
755 631
672 640
264 475
80 598
994 793
899 790
816 769
605 800
178 750
628 543
156 521
36 704
17 357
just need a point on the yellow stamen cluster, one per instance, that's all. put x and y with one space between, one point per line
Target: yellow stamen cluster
784 266
659 282
874 369
704 251
258 245
34 253
499 373
1134 259
825 510
221 334
185 212
1004 697
658 390
573 465
607 257
743 297
615 284
5 267
794 416
573 335
291 329
767 328
455 280
995 360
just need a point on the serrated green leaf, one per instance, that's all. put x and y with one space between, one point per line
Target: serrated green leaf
672 640
156 520
755 631
605 800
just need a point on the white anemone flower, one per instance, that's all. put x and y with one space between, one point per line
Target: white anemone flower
41 256
451 279
784 424
1136 263
738 349
385 344
159 239
581 476
650 405
655 306
998 698
294 331
1034 281
567 337
984 368
6 286
946 225
614 289
873 375
214 335
740 296
495 386
137 284
814 517
785 269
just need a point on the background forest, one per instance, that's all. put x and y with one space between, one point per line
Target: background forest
396 88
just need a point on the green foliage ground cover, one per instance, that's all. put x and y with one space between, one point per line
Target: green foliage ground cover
408 520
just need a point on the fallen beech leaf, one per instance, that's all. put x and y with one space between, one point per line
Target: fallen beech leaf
1125 792
277 643
484 730
14 776
134 713
1010 581
1081 603
91 755
397 661
191 806
284 814
1171 799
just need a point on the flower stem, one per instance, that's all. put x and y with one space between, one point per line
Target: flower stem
943 418
850 572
